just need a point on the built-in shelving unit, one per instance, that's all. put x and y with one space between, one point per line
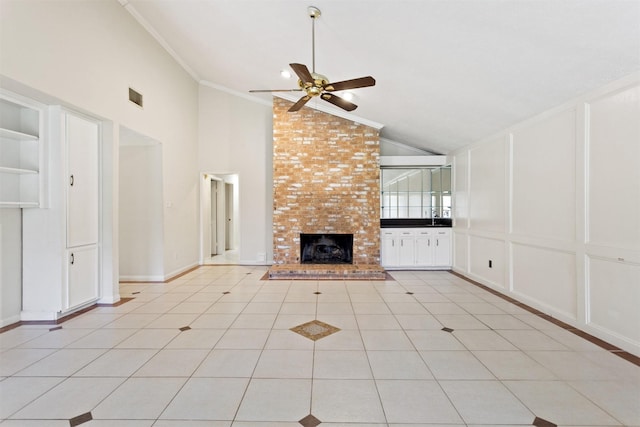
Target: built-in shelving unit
21 130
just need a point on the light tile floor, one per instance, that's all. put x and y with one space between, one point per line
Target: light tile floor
239 364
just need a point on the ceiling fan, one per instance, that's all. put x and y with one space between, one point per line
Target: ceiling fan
314 84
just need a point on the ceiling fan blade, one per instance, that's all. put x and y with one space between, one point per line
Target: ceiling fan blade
275 90
303 72
336 100
351 84
298 105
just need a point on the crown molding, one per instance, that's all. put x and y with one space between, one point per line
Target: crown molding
152 31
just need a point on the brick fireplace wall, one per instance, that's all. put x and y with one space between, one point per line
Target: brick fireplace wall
326 179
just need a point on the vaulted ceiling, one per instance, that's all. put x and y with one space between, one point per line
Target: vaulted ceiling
448 72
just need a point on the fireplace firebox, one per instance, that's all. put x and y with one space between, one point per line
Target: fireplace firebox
326 248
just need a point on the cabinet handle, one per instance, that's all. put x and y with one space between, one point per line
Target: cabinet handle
71 180
437 242
73 259
429 242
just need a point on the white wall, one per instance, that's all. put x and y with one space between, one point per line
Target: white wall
554 203
86 55
236 138
10 261
140 219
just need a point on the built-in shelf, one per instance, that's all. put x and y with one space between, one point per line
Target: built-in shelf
21 160
19 204
19 136
17 171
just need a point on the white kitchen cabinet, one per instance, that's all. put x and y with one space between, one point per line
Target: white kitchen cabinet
82 276
406 248
21 152
389 254
442 248
424 248
61 244
416 248
83 175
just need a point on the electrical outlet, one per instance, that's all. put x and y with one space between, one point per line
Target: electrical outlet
490 264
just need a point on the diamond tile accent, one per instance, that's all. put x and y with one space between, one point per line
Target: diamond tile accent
185 328
447 329
540 422
56 328
80 419
318 293
315 330
226 292
409 293
309 421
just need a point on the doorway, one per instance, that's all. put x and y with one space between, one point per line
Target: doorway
218 219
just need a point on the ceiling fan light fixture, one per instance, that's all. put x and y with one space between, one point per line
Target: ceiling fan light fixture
348 96
285 74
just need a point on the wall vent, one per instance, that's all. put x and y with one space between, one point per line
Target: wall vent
135 97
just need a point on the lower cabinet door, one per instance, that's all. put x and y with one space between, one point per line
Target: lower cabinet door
442 249
424 251
406 255
82 276
389 249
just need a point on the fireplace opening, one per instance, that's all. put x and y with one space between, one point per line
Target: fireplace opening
326 248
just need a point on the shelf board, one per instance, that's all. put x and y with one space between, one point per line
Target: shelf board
12 134
7 204
18 171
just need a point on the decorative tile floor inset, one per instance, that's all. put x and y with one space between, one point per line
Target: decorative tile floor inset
310 421
315 330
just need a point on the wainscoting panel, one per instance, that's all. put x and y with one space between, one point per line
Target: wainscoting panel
613 172
484 252
543 178
546 278
487 189
614 298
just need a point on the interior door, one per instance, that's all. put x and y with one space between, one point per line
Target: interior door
214 217
228 207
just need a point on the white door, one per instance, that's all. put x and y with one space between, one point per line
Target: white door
443 249
83 173
82 265
214 217
407 249
389 255
424 249
228 207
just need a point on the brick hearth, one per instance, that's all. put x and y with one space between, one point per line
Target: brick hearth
326 179
328 272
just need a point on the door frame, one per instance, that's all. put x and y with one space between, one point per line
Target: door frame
226 215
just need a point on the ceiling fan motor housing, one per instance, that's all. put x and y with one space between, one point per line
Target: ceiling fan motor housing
315 87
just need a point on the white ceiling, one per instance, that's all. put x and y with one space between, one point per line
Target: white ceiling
448 72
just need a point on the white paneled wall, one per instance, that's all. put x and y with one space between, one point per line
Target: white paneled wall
613 178
554 204
487 259
543 157
545 277
487 185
